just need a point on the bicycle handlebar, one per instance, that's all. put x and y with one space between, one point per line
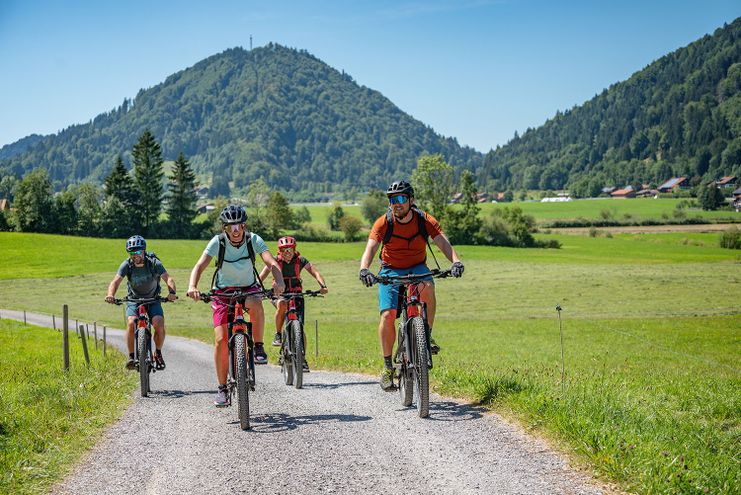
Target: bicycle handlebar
412 277
140 300
237 294
295 295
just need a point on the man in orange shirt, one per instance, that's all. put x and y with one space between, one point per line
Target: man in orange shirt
403 252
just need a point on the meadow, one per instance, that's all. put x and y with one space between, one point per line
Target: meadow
49 418
591 209
651 323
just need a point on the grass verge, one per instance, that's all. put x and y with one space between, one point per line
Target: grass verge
49 418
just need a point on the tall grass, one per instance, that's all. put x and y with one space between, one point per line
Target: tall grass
48 417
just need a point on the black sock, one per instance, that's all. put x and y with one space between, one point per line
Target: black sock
131 355
387 362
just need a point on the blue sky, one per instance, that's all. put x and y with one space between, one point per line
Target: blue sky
475 70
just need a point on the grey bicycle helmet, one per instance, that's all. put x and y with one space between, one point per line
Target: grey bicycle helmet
400 187
136 243
233 214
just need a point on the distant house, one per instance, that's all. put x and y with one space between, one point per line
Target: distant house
4 204
726 182
608 190
457 197
206 208
647 193
673 184
626 192
482 197
737 199
500 196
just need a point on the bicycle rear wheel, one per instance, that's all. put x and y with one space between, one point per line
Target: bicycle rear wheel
141 347
243 399
298 353
406 380
421 370
286 367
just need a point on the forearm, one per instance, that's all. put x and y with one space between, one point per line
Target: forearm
112 288
446 248
195 276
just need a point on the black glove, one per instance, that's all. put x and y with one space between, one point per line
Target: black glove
367 277
457 269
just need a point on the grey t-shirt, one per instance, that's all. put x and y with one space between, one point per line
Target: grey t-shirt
142 282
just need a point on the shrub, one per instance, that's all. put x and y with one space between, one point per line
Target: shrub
731 238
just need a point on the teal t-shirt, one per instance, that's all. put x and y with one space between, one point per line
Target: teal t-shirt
142 283
237 269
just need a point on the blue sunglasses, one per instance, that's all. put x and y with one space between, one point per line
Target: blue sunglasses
398 200
136 253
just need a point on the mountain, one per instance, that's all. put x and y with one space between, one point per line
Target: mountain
681 115
19 147
272 112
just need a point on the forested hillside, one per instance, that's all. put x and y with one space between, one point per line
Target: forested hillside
681 115
273 112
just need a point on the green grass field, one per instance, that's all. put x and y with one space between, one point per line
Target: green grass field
652 337
49 418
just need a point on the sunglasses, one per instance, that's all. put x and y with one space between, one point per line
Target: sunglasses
233 227
287 250
136 253
398 200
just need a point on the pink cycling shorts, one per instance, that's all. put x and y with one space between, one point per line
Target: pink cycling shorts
221 309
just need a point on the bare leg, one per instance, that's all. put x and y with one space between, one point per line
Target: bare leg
221 353
158 323
386 332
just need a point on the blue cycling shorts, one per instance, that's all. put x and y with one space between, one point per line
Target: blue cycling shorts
388 295
154 309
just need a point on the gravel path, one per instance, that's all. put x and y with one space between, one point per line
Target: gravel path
340 434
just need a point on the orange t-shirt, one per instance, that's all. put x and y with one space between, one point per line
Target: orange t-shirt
405 248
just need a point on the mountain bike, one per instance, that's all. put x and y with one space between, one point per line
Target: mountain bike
292 352
413 357
143 339
241 375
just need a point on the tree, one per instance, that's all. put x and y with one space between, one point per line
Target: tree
33 202
181 207
89 212
257 199
118 183
433 184
462 225
350 226
711 198
335 215
374 205
7 186
148 175
64 214
301 216
278 214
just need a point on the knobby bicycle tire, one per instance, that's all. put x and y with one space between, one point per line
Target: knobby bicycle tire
420 367
286 367
406 380
243 399
298 353
143 362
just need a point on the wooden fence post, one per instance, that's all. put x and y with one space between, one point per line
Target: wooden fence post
24 317
104 327
54 321
65 336
95 333
316 338
84 344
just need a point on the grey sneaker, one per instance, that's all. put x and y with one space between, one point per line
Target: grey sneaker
222 398
131 364
260 356
305 367
387 379
434 348
276 340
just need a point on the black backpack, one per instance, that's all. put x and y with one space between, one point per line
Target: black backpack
250 255
422 230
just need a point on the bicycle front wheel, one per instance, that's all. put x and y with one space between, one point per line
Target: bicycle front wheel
141 347
298 354
420 367
406 380
243 399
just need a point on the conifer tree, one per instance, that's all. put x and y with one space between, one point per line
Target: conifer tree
148 175
181 207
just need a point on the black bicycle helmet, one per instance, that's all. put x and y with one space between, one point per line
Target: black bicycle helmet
136 243
233 214
400 187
